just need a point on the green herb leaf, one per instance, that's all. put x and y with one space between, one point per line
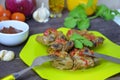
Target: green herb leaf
78 44
79 41
100 10
76 36
78 12
83 24
70 22
86 42
77 17
106 13
115 12
90 3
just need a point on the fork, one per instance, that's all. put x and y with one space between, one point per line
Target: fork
37 62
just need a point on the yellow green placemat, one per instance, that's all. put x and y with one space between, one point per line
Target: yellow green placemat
105 69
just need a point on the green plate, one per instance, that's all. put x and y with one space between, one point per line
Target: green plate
105 69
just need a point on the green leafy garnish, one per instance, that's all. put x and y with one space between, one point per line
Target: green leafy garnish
78 44
78 17
78 12
87 43
70 22
80 41
83 24
105 13
90 3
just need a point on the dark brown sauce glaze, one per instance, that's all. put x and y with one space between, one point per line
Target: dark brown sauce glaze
10 30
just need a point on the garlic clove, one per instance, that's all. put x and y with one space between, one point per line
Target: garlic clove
8 56
2 53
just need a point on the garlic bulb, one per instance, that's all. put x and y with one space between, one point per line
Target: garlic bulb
41 14
6 55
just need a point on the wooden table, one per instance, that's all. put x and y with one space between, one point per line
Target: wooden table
108 28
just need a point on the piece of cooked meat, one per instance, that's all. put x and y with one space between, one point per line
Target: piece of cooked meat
65 63
69 57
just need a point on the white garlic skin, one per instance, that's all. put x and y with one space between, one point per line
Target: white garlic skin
7 55
2 53
41 14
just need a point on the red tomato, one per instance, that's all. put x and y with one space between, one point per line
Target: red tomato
2 18
6 13
1 8
18 16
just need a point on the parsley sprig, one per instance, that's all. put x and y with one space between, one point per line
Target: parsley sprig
105 13
80 41
78 17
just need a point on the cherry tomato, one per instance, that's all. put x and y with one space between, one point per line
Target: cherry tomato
6 13
1 8
2 18
18 16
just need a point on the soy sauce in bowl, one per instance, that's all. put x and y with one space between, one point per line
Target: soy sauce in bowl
10 30
13 32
